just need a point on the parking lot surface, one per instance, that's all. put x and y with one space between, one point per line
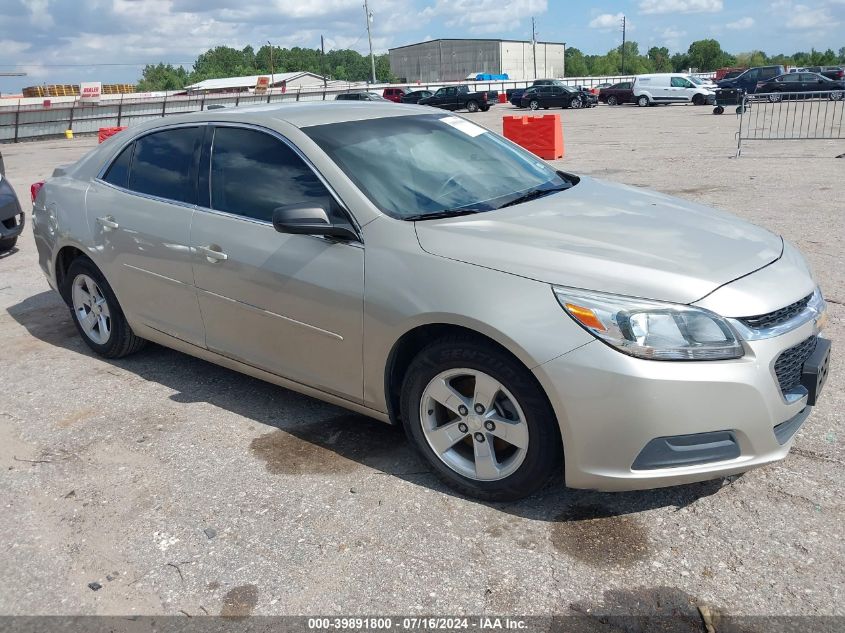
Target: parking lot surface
184 488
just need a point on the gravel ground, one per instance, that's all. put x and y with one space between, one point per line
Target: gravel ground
182 487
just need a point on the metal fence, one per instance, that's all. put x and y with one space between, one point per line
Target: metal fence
27 121
791 116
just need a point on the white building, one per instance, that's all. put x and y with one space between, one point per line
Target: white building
454 59
244 84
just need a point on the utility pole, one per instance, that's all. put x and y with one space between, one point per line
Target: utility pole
370 38
623 44
534 46
272 69
323 61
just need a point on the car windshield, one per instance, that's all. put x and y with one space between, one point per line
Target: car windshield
413 166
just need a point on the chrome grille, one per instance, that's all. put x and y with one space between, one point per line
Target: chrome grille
790 363
777 317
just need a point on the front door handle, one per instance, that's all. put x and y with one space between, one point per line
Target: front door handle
213 253
108 223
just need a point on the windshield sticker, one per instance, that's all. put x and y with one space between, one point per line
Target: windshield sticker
468 128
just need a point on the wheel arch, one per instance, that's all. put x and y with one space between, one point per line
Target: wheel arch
65 256
416 338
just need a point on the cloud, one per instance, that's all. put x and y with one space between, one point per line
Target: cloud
802 17
607 21
681 6
484 16
672 33
741 24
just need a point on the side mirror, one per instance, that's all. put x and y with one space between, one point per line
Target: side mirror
309 218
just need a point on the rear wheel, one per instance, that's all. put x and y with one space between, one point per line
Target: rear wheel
480 420
8 244
836 96
472 106
642 101
612 100
96 313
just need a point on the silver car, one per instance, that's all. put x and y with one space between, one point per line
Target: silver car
519 322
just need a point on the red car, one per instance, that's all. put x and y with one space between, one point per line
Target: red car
394 94
617 94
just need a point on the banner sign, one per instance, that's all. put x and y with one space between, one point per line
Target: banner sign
261 85
90 91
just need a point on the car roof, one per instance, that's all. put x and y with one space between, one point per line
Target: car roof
299 114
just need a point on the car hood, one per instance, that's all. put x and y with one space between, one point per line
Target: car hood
611 238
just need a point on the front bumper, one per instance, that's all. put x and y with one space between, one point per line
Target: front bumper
611 406
11 214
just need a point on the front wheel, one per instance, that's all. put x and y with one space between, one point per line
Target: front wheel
698 100
472 106
612 101
576 103
642 101
480 420
534 104
718 110
96 313
8 244
775 97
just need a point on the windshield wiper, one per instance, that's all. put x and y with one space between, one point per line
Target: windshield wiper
445 213
534 194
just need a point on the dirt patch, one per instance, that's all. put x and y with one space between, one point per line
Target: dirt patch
75 417
596 536
239 602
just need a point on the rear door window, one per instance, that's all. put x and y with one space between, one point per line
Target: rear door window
164 164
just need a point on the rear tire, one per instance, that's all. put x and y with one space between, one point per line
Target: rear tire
642 101
836 95
110 334
472 106
8 244
612 100
462 367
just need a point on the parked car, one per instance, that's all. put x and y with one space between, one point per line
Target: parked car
588 98
359 96
749 79
728 72
831 72
519 322
617 94
415 95
598 88
11 216
780 87
394 94
458 98
549 96
515 96
665 88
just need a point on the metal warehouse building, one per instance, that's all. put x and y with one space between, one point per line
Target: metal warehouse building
454 60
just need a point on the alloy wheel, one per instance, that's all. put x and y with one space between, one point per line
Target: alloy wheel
534 104
91 309
473 424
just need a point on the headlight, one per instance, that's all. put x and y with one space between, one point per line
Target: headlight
651 329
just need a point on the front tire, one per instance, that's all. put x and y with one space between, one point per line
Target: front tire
612 100
96 313
480 420
534 104
8 244
698 100
642 101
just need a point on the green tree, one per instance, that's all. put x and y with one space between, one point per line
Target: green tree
706 55
660 60
162 77
679 62
576 64
752 58
842 55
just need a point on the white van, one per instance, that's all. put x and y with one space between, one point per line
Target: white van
670 88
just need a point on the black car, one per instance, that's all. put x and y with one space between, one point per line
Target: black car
415 96
837 73
748 79
11 216
589 99
551 96
780 87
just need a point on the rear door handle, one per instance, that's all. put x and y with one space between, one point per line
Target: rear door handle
213 253
108 223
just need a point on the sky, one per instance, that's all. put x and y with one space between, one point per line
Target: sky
69 41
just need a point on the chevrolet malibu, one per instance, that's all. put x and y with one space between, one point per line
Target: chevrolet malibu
518 321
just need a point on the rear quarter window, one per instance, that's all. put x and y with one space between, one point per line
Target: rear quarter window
118 172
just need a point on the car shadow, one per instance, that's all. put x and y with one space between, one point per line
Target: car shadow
304 435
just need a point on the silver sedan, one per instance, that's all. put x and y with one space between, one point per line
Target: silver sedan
521 323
